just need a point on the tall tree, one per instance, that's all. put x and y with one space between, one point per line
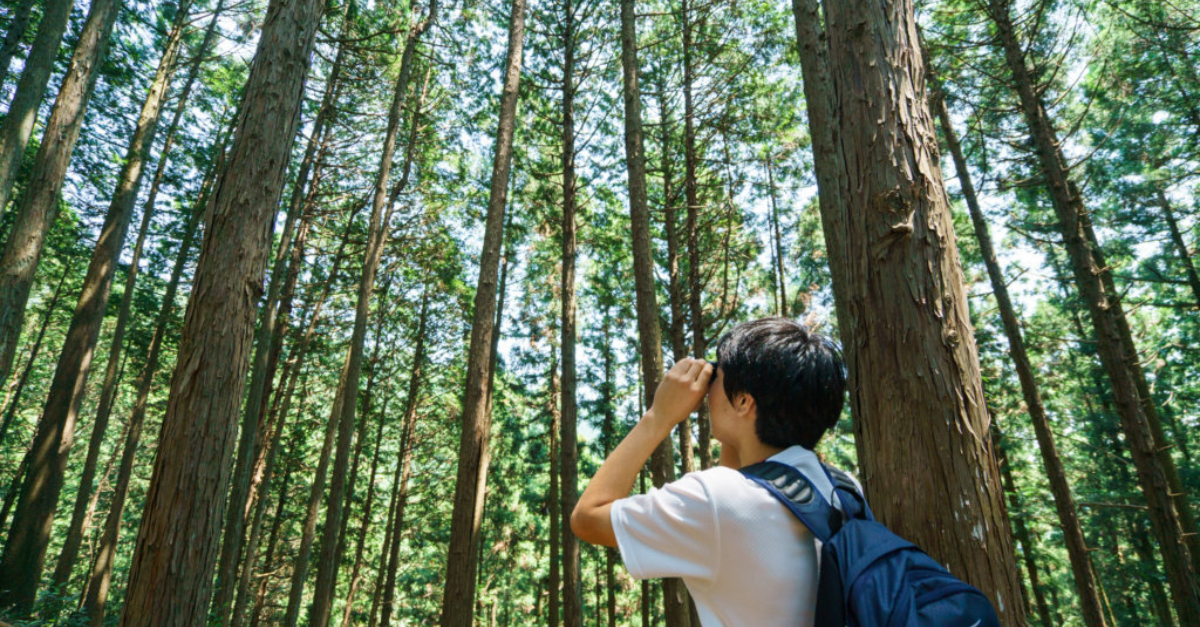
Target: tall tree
911 361
56 428
347 400
649 336
18 123
1068 517
39 207
171 575
13 36
569 458
458 601
1169 518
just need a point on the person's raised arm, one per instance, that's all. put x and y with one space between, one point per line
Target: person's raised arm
678 395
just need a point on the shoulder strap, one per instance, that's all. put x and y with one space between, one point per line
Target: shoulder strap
854 504
799 495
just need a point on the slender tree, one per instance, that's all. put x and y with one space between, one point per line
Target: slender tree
13 36
18 123
35 213
649 336
1170 514
171 575
458 600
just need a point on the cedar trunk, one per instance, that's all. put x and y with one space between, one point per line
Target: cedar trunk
1064 503
19 121
458 601
404 468
96 595
12 39
915 387
171 576
649 336
1169 517
572 589
35 215
74 365
267 344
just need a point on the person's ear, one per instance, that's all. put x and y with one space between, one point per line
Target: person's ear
745 405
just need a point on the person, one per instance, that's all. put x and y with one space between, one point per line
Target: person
777 387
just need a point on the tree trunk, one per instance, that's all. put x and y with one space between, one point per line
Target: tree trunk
171 575
555 583
96 594
891 237
1181 248
607 437
327 568
690 160
272 544
471 481
649 335
361 542
1085 579
1114 341
266 344
21 117
74 365
781 307
10 413
670 226
12 39
35 214
572 588
1021 531
404 465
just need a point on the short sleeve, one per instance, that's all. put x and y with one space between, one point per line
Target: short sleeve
668 532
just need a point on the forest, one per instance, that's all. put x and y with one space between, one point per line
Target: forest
323 312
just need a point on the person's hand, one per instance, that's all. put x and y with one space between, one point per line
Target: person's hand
681 390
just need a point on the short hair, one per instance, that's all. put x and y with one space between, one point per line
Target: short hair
797 378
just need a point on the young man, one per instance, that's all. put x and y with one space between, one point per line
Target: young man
746 560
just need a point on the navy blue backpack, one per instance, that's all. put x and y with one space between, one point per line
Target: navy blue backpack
869 576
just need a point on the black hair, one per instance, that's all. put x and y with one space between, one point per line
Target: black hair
797 378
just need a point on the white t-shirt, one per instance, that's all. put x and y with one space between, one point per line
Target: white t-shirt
746 560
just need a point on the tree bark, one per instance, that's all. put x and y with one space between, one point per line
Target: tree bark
572 589
12 39
267 343
649 336
21 117
171 575
1021 533
1114 341
555 576
35 214
781 307
692 197
74 366
607 437
1085 580
458 601
404 464
96 594
902 307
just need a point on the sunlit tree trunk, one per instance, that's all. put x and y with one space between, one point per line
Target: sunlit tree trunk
649 336
96 594
19 121
458 601
74 365
35 214
171 576
911 361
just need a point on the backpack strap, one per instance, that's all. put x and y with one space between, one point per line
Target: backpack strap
799 495
854 504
